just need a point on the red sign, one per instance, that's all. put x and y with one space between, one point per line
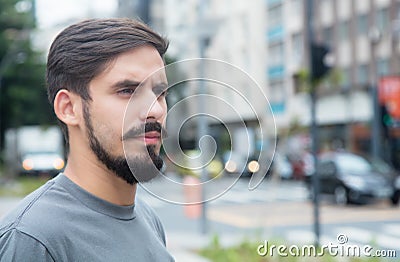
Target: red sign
389 94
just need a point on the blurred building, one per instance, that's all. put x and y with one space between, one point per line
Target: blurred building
363 40
236 38
232 32
137 8
267 39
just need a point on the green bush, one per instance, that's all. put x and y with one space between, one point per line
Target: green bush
21 186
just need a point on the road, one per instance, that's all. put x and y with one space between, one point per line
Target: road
281 210
276 210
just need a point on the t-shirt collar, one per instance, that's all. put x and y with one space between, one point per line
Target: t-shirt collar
95 203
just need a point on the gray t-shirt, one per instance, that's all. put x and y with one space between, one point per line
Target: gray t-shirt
62 222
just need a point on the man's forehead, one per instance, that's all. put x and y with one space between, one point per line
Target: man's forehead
133 74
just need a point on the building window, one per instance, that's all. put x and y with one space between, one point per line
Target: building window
362 74
276 54
298 47
362 24
382 67
344 30
327 34
382 19
272 2
275 16
277 94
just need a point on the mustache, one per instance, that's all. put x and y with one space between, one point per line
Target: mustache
144 128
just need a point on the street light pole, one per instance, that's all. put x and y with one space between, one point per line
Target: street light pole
314 131
374 37
202 125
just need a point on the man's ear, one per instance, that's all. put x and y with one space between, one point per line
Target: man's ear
67 107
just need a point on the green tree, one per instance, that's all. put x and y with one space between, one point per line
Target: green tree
23 99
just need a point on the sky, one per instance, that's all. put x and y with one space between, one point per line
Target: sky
54 15
56 12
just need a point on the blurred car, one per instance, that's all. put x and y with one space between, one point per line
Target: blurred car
396 192
282 167
37 163
392 174
351 178
235 163
297 163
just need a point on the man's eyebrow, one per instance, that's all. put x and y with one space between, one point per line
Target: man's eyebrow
126 83
162 85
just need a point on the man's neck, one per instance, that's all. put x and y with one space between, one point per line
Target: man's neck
95 178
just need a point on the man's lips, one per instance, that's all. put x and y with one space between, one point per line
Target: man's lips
149 137
151 130
152 137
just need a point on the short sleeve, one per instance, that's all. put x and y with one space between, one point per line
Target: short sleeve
18 246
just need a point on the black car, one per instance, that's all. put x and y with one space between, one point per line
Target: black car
351 178
396 193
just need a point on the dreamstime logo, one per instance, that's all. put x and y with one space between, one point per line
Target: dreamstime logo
342 239
227 101
339 249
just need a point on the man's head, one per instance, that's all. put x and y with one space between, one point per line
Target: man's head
102 62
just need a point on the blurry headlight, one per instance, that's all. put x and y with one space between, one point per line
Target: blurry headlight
27 164
230 166
253 166
58 163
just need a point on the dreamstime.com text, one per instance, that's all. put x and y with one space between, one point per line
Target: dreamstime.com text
339 249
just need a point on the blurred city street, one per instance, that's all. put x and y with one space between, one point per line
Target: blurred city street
302 88
276 210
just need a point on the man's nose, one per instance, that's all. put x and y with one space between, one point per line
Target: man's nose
154 108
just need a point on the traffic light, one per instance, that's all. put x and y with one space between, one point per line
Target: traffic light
319 65
386 120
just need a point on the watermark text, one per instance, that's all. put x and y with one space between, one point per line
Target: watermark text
339 249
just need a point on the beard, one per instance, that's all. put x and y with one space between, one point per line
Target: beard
133 170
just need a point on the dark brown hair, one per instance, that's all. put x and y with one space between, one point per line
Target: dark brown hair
84 50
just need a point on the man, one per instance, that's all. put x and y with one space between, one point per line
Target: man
107 89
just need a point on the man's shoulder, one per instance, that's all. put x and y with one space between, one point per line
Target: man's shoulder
145 210
11 242
38 215
147 213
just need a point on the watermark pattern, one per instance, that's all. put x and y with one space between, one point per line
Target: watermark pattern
340 249
223 95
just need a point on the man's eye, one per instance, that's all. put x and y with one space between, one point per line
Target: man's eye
126 91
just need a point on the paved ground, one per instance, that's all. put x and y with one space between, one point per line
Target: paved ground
275 210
